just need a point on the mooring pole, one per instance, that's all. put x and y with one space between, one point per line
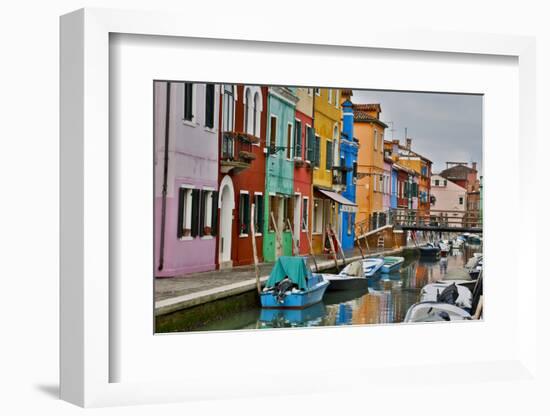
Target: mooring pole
254 251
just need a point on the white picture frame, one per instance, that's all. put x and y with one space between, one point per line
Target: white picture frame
86 262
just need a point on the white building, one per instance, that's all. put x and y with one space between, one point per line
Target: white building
447 196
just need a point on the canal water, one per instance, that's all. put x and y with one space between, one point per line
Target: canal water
387 300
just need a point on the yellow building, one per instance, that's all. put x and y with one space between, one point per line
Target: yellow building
327 115
369 130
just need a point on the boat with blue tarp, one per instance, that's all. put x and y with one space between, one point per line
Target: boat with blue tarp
291 284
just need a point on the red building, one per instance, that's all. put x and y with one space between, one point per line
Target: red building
243 122
303 177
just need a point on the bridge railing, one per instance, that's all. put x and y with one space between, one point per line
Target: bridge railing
416 217
436 218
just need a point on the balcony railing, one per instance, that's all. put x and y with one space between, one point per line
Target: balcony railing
236 150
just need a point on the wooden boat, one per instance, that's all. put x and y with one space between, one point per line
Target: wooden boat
429 250
354 276
370 267
435 312
392 264
291 284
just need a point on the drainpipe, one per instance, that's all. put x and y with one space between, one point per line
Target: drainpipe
165 177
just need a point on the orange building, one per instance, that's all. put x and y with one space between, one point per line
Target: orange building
369 130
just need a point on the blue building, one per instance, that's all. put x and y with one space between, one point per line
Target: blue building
393 194
349 147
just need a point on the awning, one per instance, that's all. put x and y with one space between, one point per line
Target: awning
346 204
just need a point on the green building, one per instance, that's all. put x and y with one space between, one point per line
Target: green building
279 176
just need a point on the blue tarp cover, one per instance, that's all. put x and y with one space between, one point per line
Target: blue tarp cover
293 267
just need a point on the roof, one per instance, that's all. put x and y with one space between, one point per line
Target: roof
367 107
404 169
361 116
457 172
338 198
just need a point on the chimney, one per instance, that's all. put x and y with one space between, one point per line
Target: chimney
409 141
474 166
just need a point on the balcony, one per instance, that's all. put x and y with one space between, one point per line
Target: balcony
236 151
338 179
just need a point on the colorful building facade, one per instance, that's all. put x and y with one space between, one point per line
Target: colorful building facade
279 175
303 170
448 196
186 179
349 147
369 130
327 119
241 173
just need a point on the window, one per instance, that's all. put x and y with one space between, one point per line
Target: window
289 140
460 200
228 108
248 117
354 172
289 213
329 155
244 214
258 213
188 212
256 124
381 142
350 228
209 106
445 182
206 214
310 91
273 134
437 182
317 216
310 144
297 138
329 92
273 212
318 91
317 152
375 139
335 149
305 214
188 102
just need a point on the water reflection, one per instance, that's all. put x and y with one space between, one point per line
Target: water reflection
386 301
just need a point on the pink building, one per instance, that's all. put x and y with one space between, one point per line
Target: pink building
186 177
448 196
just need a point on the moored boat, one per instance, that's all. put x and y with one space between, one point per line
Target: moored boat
370 267
291 284
355 275
429 250
392 264
435 312
448 292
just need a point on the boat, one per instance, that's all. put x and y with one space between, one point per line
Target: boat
370 267
435 312
474 265
473 239
457 243
291 284
354 276
392 264
449 292
429 250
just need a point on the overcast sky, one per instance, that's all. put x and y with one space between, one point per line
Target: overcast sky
444 127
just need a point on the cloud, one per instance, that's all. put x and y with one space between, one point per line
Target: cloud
444 127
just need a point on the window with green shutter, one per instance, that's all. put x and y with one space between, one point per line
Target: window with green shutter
328 163
317 157
298 138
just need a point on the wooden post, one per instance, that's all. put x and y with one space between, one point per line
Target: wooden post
360 248
310 244
278 236
256 268
327 231
292 235
339 245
